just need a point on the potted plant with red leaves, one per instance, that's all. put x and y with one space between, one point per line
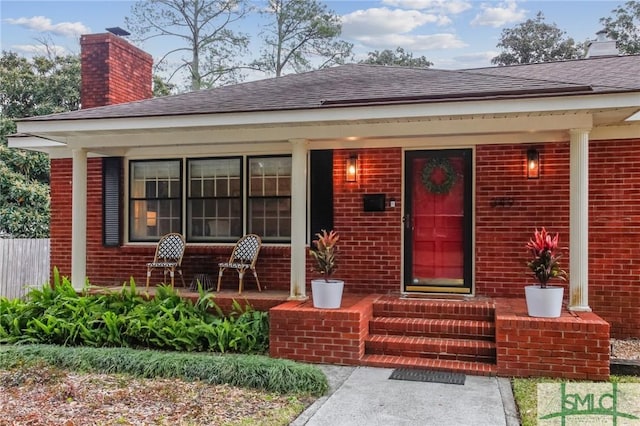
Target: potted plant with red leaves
326 292
544 300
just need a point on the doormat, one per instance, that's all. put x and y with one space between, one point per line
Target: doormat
428 376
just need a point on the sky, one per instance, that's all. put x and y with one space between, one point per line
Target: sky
450 33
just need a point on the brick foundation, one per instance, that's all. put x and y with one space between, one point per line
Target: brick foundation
301 332
574 346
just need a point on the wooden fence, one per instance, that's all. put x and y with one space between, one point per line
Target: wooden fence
24 263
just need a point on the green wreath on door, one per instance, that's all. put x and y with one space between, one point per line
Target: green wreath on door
450 176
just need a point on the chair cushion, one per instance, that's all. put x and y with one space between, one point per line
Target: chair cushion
161 264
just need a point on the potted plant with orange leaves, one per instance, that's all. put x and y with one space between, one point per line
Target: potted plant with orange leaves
544 300
326 292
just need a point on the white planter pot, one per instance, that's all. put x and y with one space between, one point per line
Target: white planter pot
544 302
327 295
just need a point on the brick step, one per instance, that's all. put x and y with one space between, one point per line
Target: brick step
438 309
442 328
466 367
436 348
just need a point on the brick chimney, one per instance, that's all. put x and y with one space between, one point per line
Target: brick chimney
113 71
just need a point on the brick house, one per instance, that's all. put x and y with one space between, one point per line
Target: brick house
442 200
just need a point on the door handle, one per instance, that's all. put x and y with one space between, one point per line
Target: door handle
406 219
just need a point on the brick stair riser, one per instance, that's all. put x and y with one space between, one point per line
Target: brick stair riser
436 328
432 348
386 361
478 313
481 358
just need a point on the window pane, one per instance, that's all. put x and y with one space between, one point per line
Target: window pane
149 179
270 176
154 208
150 219
270 217
214 206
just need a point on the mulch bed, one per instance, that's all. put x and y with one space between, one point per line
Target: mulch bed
56 397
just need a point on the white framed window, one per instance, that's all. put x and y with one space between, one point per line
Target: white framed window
224 198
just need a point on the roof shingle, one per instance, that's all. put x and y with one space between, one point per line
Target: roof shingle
370 84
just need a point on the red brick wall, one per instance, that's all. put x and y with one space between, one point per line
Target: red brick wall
503 231
370 242
574 346
301 332
113 71
614 234
614 223
60 225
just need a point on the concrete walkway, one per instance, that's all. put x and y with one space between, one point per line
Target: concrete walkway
366 396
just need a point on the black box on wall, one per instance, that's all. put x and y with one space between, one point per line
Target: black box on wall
373 202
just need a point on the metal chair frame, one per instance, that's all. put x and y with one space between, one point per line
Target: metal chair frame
243 258
169 253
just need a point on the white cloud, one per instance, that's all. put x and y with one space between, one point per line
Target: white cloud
40 49
435 6
44 24
382 21
470 60
413 43
505 13
478 57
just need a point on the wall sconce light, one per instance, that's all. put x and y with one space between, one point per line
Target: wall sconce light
352 168
533 163
151 218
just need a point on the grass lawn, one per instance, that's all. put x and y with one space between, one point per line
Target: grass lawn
525 393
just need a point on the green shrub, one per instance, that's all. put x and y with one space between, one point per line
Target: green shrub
255 371
59 315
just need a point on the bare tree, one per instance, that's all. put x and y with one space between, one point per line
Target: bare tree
302 35
203 31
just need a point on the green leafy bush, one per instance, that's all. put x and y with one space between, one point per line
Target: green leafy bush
255 371
59 315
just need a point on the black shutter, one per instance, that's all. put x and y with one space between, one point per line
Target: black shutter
321 191
111 201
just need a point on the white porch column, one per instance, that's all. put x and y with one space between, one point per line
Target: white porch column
298 218
79 219
579 220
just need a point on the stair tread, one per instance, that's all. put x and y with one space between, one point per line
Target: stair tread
431 320
445 328
431 340
394 361
435 308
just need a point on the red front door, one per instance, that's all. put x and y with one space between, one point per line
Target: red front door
437 222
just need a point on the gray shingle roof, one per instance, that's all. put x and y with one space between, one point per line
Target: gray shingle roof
369 84
610 73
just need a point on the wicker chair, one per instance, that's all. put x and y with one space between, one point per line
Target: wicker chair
243 257
168 256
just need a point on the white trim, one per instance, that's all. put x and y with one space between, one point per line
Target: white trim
299 171
79 220
339 114
579 221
